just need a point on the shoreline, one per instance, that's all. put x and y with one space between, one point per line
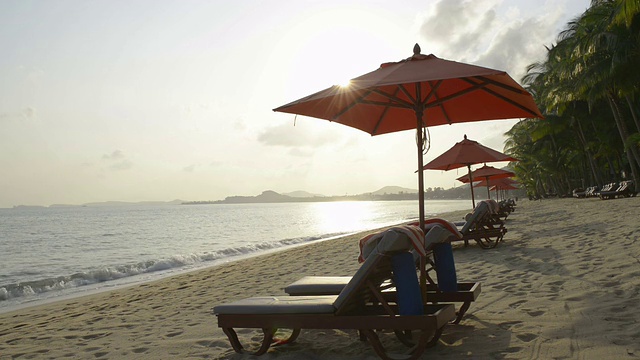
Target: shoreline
150 277
562 284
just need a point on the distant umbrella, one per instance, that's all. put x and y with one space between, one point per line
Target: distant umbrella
486 173
466 153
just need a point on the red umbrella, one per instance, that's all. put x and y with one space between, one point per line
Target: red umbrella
504 186
417 92
485 173
498 184
466 153
494 182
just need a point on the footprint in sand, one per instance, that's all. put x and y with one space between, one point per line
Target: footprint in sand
526 337
535 313
508 324
517 303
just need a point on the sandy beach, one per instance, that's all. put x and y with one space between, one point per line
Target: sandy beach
564 284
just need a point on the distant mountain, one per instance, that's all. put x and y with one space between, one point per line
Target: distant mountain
394 190
302 194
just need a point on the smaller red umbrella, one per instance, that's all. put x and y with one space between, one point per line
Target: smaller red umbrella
486 173
466 153
497 184
504 187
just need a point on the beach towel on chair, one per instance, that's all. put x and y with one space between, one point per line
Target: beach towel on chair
413 233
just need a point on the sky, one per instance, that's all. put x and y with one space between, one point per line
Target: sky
156 100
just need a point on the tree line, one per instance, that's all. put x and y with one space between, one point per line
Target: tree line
588 90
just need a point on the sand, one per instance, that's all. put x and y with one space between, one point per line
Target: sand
564 284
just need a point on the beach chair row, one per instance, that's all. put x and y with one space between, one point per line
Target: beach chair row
384 294
609 191
484 225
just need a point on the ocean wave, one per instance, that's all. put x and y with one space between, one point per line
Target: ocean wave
105 274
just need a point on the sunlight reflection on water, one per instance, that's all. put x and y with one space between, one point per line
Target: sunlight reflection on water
333 217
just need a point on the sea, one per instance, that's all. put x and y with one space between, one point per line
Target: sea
53 253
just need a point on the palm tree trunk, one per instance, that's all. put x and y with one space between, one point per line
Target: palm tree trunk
592 164
631 151
633 112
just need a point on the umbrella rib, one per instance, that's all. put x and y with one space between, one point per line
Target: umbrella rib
354 103
384 113
406 92
387 104
453 96
434 94
494 93
393 98
498 84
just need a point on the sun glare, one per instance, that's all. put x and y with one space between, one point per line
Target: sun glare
338 217
345 84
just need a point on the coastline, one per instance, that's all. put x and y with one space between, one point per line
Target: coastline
562 284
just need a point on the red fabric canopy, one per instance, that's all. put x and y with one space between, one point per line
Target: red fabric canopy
465 153
485 173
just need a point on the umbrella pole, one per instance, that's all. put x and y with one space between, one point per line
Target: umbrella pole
488 191
473 198
423 260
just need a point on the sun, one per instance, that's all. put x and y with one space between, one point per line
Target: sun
344 84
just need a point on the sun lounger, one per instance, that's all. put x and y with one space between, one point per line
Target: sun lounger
464 293
360 305
626 189
607 188
467 292
505 208
483 226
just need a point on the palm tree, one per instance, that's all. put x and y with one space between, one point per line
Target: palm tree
595 63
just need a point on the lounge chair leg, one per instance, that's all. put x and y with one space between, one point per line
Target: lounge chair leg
237 346
405 337
290 339
461 312
363 337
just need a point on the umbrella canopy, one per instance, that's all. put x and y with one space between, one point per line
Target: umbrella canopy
466 153
504 185
496 182
485 173
417 92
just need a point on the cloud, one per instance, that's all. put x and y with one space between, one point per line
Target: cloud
117 161
190 168
27 113
116 155
490 33
288 136
459 27
520 44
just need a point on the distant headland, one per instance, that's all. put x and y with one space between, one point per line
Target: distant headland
387 193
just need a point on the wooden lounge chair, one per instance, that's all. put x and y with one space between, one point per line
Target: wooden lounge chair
607 188
466 292
360 306
482 226
626 189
